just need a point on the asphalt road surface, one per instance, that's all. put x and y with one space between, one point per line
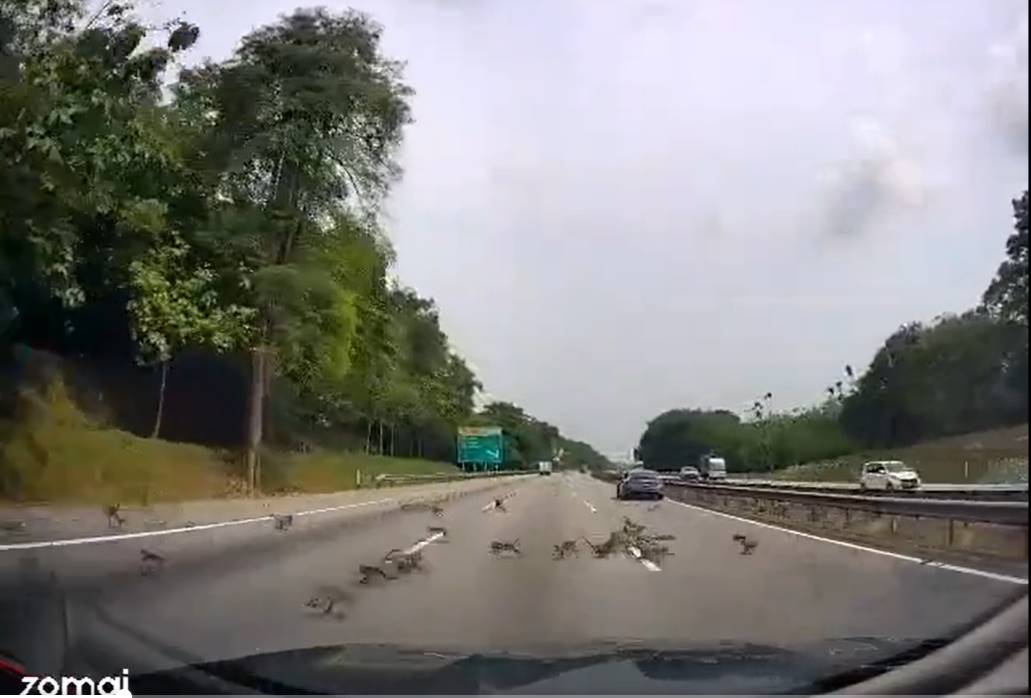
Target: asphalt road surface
242 590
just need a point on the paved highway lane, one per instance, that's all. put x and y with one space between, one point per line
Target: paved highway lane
227 593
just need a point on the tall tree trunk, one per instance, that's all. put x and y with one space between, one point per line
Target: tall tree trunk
392 431
284 198
381 437
368 435
161 400
255 415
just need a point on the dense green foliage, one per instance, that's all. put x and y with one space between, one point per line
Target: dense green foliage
224 220
958 374
529 440
680 437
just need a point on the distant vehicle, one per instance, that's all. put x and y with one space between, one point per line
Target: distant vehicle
888 475
712 467
690 474
544 467
639 483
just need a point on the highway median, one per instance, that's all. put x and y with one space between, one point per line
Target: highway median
959 528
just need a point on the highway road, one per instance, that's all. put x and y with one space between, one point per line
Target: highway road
242 590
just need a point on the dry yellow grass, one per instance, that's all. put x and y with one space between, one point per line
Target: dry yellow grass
52 452
993 456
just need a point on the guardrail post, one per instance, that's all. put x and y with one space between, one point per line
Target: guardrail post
951 534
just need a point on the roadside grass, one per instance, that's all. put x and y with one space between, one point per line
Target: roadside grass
984 457
324 471
51 452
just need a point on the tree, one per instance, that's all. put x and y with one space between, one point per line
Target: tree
960 374
1006 296
680 437
86 149
305 121
174 304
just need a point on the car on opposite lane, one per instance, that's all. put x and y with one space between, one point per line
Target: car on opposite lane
690 474
888 475
641 483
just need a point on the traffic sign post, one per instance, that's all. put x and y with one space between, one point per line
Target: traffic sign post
481 447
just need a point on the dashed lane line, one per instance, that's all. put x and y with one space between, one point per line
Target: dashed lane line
420 544
591 507
637 555
855 546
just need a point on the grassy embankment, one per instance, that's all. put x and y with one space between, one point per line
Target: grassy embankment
53 452
994 456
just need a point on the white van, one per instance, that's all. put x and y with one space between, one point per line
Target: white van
712 468
544 467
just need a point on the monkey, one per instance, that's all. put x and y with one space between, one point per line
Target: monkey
499 505
606 548
500 546
566 549
748 545
327 598
114 517
632 529
655 553
367 573
437 511
150 562
403 562
283 521
12 526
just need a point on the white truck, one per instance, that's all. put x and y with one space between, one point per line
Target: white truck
712 467
544 467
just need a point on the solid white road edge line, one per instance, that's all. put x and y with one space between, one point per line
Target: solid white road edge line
182 529
591 507
856 546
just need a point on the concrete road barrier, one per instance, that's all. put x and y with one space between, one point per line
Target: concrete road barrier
969 528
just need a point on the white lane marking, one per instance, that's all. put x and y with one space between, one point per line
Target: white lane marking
419 545
183 529
855 546
489 506
648 564
591 507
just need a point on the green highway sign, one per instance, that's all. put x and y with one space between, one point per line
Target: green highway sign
481 445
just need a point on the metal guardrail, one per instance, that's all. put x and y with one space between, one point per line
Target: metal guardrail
1008 513
1000 492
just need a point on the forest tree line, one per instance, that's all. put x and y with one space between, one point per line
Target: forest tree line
222 219
957 374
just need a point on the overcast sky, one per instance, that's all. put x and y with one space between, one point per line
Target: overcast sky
623 207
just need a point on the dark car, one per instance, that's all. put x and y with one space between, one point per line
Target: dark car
645 484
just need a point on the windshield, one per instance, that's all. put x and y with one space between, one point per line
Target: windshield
485 345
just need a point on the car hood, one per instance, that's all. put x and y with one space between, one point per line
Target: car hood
612 668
